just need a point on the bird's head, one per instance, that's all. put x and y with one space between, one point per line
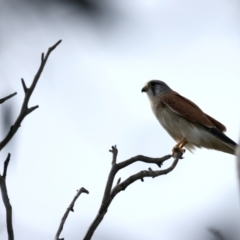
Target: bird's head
155 88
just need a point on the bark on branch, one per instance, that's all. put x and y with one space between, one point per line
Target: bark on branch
110 191
25 110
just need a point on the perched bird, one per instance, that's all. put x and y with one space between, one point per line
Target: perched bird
186 123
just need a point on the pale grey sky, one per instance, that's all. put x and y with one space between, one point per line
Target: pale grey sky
90 98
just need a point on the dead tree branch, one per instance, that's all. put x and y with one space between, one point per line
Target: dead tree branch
70 208
25 110
110 192
2 100
6 200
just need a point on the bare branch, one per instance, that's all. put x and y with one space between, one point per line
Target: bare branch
140 176
28 92
70 208
6 200
158 161
2 100
25 89
110 193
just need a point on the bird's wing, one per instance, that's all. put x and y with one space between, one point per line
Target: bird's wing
186 108
219 125
190 111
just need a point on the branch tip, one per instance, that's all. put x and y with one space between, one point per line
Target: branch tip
55 45
31 109
84 190
119 180
114 151
2 100
6 162
25 89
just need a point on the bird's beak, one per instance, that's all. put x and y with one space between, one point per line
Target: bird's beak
144 89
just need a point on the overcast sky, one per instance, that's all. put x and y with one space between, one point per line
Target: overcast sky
90 99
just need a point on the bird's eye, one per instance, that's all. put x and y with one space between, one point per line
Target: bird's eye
152 84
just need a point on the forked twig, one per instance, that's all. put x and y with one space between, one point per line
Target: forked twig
110 191
25 110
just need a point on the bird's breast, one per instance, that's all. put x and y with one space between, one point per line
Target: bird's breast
174 124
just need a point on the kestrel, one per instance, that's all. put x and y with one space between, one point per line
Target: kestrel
186 123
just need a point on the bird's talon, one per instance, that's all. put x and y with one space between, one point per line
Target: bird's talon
178 149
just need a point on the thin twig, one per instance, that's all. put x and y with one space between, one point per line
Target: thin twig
2 100
110 193
25 89
119 180
25 110
70 208
6 200
6 166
